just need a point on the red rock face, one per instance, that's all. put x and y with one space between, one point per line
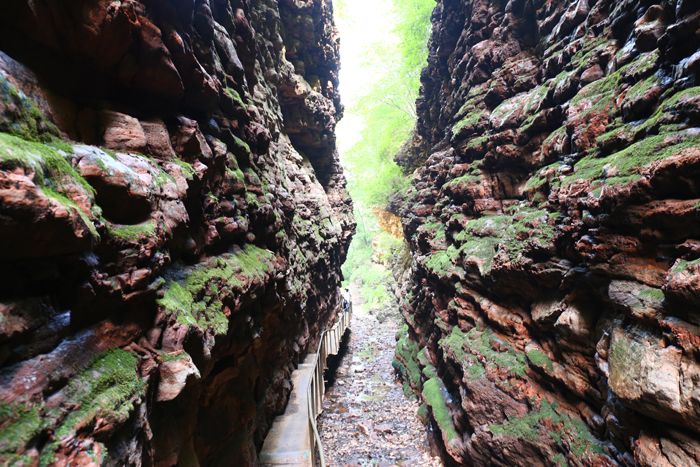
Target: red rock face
173 217
552 313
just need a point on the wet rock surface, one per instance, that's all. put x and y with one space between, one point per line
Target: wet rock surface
551 315
367 418
173 217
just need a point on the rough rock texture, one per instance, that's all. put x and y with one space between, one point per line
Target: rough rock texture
553 313
173 217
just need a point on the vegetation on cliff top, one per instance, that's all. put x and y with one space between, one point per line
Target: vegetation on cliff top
379 84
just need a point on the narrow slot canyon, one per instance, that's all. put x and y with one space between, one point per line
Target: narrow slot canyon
350 233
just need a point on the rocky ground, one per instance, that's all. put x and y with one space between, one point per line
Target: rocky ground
367 419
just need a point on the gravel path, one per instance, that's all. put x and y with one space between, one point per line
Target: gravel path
367 419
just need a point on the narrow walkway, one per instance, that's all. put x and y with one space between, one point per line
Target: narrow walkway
367 419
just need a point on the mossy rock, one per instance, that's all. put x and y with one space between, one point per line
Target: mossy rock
537 358
474 352
26 121
579 440
406 356
627 164
196 294
52 173
436 397
107 388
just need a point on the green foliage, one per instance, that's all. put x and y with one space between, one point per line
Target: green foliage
386 245
384 106
373 278
374 292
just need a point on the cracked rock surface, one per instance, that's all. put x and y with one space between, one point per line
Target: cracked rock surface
552 311
173 217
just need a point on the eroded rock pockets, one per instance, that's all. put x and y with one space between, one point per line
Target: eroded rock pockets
173 218
552 318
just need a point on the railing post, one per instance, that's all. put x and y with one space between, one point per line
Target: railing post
288 443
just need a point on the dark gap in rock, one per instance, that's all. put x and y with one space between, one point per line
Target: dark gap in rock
334 361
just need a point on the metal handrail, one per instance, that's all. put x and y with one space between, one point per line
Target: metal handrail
312 419
285 445
314 386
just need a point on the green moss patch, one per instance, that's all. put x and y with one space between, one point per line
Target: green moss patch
133 233
590 49
579 440
19 424
652 294
406 361
454 344
51 168
241 145
539 359
600 94
235 97
53 173
558 133
482 239
197 296
532 226
187 169
436 396
642 87
539 178
442 262
26 121
642 66
631 160
467 347
669 107
470 120
682 266
106 389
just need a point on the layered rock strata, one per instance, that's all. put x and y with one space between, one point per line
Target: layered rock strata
553 222
173 217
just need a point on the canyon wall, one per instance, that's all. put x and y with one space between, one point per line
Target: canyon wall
173 217
554 220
